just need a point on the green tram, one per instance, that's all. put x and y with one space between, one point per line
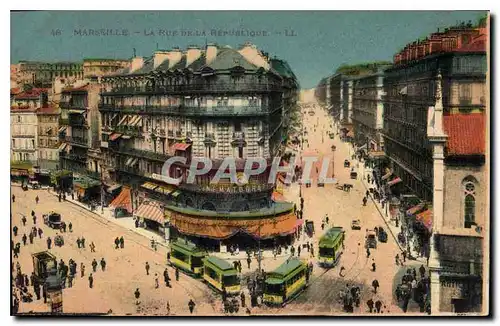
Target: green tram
221 275
286 282
187 257
331 247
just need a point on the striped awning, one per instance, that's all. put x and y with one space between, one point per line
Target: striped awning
149 185
135 120
129 160
63 146
115 136
425 218
63 128
181 146
122 120
151 210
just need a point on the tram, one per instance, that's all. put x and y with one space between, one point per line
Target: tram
331 247
187 257
220 275
286 282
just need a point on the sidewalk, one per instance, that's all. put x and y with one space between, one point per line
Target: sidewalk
126 222
391 225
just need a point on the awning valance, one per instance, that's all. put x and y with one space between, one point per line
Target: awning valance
126 137
114 187
165 189
122 120
425 218
115 136
149 185
175 193
63 146
76 111
224 228
181 146
151 210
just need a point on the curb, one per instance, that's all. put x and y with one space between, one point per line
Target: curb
106 219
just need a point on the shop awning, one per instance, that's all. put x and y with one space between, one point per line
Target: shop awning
223 228
122 120
415 209
394 181
175 193
76 111
181 146
377 154
425 218
151 210
149 185
126 137
135 120
165 189
63 128
123 200
385 177
115 136
129 160
63 146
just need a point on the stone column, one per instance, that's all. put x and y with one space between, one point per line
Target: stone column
435 289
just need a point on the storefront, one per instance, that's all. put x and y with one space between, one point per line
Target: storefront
122 204
151 216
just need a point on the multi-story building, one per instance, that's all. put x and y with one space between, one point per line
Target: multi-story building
43 73
96 67
80 129
367 111
48 139
213 103
435 128
24 124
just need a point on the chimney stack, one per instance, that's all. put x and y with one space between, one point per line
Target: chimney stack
174 57
159 57
193 53
211 53
136 64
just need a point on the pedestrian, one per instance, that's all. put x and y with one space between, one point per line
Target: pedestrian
122 243
312 251
117 243
157 285
397 259
31 238
83 242
26 280
242 298
37 199
367 194
137 295
414 271
398 292
72 196
378 305
166 278
322 226
103 264
94 266
70 280
374 267
79 242
63 225
34 219
249 260
298 250
13 198
147 268
92 247
91 281
40 232
82 269
364 201
24 220
292 251
367 252
70 227
15 229
24 238
191 305
404 256
59 197
326 219
44 293
422 271
375 285
49 242
176 274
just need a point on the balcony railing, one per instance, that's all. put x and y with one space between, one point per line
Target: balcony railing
135 131
69 105
181 110
142 154
207 88
77 140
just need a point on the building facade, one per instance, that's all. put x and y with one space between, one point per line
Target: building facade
367 112
209 103
94 67
43 73
24 124
48 139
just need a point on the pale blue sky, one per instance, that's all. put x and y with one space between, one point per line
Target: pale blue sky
319 43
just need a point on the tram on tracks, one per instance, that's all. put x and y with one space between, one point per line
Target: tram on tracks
331 247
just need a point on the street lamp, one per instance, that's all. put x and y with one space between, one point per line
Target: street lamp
102 190
54 291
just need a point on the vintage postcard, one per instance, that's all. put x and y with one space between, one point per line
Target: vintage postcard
246 163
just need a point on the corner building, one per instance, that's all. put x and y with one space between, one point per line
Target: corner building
214 103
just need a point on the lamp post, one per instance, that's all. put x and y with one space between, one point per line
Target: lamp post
54 291
102 189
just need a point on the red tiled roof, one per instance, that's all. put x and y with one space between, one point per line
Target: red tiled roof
15 90
22 108
181 146
33 93
50 109
466 134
